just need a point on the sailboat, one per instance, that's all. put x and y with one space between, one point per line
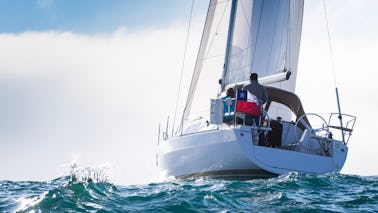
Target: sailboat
241 37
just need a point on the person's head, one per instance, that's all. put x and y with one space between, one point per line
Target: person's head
230 92
253 76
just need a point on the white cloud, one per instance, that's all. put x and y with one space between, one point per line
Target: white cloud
94 99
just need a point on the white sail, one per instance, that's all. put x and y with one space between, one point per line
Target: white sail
265 39
209 64
200 57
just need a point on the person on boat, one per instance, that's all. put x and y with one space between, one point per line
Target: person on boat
229 105
258 90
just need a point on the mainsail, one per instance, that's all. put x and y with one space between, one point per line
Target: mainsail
265 39
240 37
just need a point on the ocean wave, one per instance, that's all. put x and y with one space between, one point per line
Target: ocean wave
292 192
81 189
77 195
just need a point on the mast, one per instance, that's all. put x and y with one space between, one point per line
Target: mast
229 39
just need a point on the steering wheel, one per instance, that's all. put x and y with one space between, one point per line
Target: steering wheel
317 131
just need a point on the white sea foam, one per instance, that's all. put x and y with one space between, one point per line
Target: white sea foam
96 174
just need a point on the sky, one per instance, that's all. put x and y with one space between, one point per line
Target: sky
88 82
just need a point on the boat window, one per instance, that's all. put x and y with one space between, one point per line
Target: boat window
280 110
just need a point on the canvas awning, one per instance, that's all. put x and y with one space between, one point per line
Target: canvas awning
286 98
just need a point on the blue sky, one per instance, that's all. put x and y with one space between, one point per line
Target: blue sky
73 75
91 16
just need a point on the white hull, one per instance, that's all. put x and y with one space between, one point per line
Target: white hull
230 153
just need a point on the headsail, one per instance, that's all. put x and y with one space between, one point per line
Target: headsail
200 57
210 61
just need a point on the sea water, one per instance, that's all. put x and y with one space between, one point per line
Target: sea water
286 193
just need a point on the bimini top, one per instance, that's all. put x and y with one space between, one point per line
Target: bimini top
286 98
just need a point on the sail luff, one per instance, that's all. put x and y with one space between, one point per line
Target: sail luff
200 57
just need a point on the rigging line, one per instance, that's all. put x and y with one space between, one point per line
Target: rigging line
182 66
330 44
334 75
